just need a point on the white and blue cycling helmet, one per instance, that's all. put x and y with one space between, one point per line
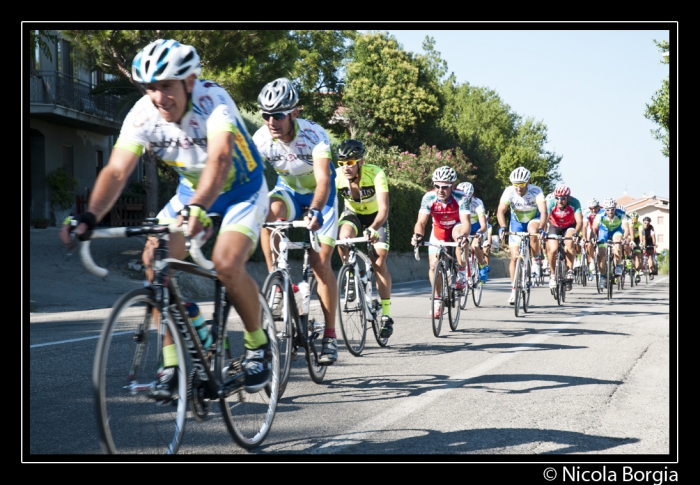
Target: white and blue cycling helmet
165 59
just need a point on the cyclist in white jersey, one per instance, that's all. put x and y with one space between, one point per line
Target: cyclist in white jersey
195 127
528 213
299 151
479 227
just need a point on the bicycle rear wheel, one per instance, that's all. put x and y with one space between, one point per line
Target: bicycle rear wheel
274 288
312 333
454 300
439 279
526 286
248 416
351 315
124 377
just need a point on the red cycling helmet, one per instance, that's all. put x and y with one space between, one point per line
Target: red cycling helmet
562 191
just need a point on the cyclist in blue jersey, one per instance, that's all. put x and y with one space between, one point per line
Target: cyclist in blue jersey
611 225
195 127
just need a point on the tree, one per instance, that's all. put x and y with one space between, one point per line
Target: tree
317 72
42 39
388 92
659 109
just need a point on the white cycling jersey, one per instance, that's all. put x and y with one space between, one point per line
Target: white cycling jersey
294 161
183 146
523 209
477 208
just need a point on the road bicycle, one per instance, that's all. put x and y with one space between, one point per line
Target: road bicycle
559 292
596 272
444 279
357 308
474 284
131 416
296 327
611 278
522 279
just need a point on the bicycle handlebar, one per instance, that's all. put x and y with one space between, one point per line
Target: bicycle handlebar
438 244
313 237
195 244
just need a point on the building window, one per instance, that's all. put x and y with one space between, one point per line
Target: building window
99 162
660 220
659 238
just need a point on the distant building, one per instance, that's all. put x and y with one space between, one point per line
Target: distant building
657 208
69 127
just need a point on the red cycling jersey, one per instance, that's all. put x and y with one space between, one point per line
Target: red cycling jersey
445 215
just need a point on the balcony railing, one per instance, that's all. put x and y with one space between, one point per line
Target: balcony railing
53 87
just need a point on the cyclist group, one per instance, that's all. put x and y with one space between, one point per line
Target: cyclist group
195 127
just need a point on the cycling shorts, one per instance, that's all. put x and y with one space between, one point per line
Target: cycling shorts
448 238
515 226
360 222
297 204
559 231
605 235
243 209
475 227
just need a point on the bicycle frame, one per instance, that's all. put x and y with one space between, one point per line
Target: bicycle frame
353 254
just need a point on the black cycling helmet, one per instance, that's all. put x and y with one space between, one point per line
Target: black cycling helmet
647 219
351 150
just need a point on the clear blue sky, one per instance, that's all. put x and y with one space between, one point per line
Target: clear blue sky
589 87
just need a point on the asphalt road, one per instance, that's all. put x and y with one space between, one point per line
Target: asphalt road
589 377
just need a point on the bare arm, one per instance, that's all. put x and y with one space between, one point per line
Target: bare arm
544 219
419 227
579 222
501 215
382 210
322 190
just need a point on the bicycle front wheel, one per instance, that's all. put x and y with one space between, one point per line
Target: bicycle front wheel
439 301
127 362
562 281
351 315
278 299
518 283
248 416
312 333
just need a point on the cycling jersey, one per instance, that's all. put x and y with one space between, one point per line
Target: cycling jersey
445 215
609 225
647 233
563 218
183 146
476 208
635 229
294 161
523 209
372 180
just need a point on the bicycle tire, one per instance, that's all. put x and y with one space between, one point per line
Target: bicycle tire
517 282
558 278
464 296
376 310
127 359
477 290
611 273
527 283
440 276
454 300
632 275
248 416
314 340
274 283
351 315
563 281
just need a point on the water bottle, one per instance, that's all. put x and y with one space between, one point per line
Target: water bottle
199 324
298 297
305 297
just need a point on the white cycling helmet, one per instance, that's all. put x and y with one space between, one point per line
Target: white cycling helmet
444 174
278 95
467 188
519 175
165 59
593 202
609 204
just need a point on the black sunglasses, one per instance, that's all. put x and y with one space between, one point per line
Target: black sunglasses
276 116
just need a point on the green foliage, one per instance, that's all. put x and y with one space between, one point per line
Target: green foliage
659 109
418 168
404 201
63 186
388 94
41 39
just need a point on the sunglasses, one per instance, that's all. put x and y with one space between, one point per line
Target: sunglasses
520 185
349 163
561 198
611 210
276 116
442 187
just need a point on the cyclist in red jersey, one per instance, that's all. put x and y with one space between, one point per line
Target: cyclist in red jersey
564 219
451 220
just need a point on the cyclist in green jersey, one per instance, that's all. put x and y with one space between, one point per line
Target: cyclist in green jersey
365 191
